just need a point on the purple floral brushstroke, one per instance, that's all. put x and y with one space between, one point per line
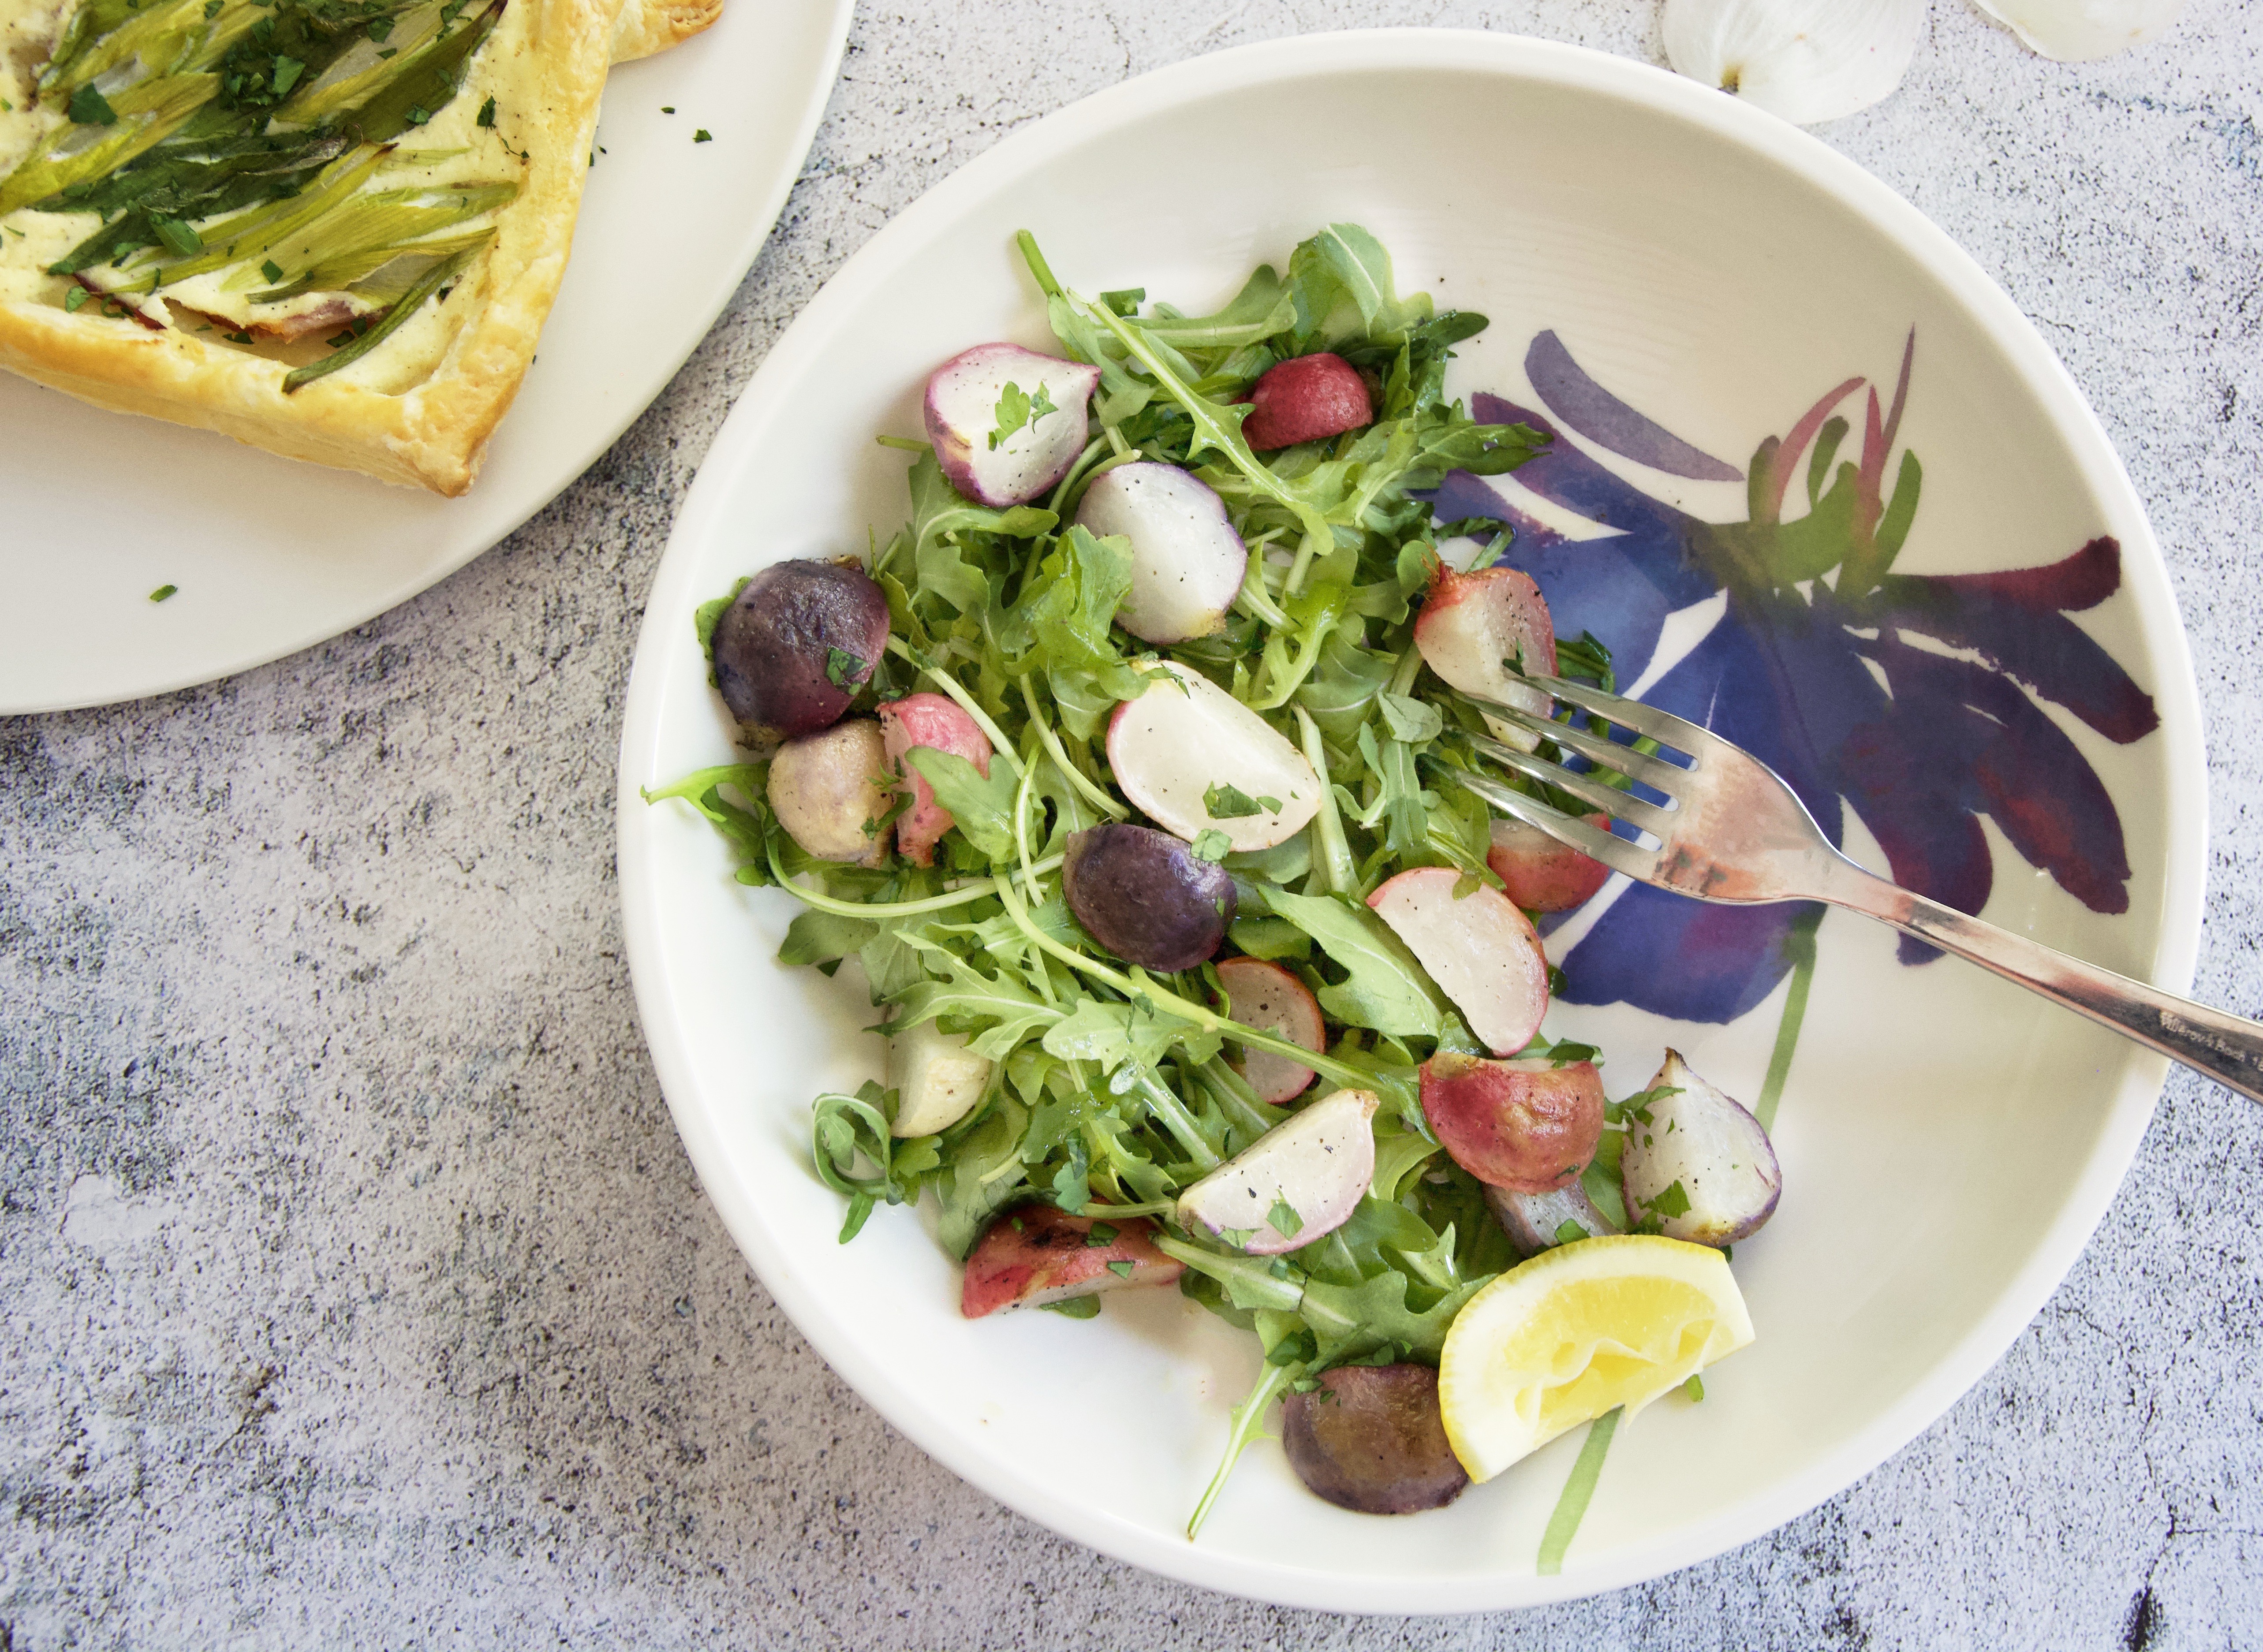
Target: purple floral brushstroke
1792 671
1585 406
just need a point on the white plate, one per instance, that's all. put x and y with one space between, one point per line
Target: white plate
272 556
1949 1141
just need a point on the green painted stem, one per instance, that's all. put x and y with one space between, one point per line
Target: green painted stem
1799 946
1579 1490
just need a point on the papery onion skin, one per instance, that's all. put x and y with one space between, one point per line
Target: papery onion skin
1805 60
2084 30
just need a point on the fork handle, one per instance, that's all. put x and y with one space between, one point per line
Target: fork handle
2228 1049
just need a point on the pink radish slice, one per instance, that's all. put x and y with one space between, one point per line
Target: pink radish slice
1268 997
1306 399
1481 951
936 721
1704 1145
1542 874
1175 748
1186 560
1473 626
1298 1182
1528 1126
1039 1254
962 415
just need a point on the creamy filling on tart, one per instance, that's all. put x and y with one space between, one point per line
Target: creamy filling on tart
308 180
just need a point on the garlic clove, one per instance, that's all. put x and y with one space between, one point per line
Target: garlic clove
2081 31
1806 60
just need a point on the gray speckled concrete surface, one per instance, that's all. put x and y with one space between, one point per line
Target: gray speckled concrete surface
358 1293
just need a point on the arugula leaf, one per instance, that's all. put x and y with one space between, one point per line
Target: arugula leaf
1385 989
1410 719
983 808
1113 1034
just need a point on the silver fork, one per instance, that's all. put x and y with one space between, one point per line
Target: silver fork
1731 831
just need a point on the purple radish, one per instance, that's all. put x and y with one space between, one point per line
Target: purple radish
1696 1163
1186 560
998 440
1194 759
1535 1221
1298 1182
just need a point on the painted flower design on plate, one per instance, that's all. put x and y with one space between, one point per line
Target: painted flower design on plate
1917 700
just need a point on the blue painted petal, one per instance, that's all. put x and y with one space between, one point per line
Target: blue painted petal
1609 422
1681 958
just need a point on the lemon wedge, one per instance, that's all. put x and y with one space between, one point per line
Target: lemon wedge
1576 1330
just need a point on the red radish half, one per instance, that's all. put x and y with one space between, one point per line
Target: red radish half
1039 1254
1482 952
1179 745
1268 997
1296 1183
1542 874
1527 1126
1696 1163
1305 399
938 722
962 415
1474 626
1186 560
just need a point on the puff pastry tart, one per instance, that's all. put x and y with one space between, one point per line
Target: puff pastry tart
328 228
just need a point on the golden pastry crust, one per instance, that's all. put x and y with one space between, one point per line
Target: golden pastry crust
654 25
547 58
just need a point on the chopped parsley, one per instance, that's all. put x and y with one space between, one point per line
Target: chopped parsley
1284 1219
90 108
162 592
703 136
486 114
1121 1270
1671 1203
1102 1234
1211 845
75 299
1230 803
1016 408
1569 1232
419 116
1695 1387
845 670
271 270
668 109
176 235
381 29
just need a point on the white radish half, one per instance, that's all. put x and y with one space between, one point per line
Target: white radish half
1696 1163
1186 560
1474 626
962 416
830 791
937 1078
1268 997
941 723
1482 952
1179 745
1535 1221
1306 1176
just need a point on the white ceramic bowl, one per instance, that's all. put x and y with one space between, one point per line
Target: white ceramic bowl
1949 1142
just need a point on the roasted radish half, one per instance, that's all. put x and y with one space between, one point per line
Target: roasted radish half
794 645
830 791
1543 1221
1008 423
1038 1254
1696 1163
939 722
1186 560
1268 997
1478 630
938 1079
1542 874
1306 399
1296 1183
1194 759
1147 896
1527 1126
1482 952
1371 1439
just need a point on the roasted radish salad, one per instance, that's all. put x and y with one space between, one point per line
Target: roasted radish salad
1125 773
